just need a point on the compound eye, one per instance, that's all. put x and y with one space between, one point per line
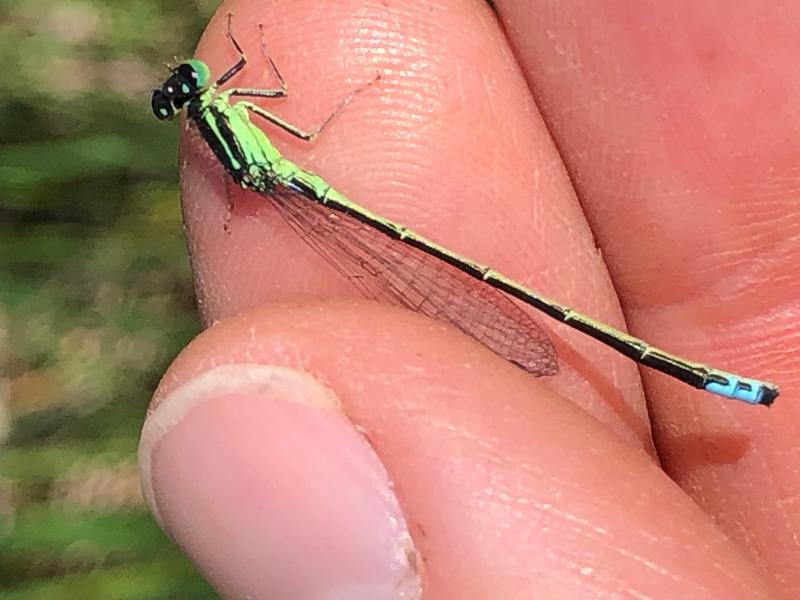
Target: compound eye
162 107
187 79
171 87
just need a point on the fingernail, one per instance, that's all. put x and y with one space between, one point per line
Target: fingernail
262 480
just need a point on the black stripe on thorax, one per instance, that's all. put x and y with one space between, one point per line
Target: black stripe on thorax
227 150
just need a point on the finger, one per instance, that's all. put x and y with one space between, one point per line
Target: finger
448 142
253 458
673 120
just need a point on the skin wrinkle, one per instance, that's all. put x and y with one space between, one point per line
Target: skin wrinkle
585 526
546 508
582 528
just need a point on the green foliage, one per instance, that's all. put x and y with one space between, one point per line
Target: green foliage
95 292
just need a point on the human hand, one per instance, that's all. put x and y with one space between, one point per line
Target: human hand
279 484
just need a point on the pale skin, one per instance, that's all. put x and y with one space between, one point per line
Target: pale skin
662 133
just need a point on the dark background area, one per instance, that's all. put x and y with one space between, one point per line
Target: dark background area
95 292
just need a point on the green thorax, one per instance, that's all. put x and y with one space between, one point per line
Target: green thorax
242 147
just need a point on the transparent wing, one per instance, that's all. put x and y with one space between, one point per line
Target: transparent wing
386 269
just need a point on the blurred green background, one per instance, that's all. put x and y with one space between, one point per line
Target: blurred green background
95 292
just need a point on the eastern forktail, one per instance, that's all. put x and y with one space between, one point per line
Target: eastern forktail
388 261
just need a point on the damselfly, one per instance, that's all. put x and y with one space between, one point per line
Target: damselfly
388 261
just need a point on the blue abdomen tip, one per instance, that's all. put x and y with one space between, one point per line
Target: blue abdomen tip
746 390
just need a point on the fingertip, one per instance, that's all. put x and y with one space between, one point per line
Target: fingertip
267 486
